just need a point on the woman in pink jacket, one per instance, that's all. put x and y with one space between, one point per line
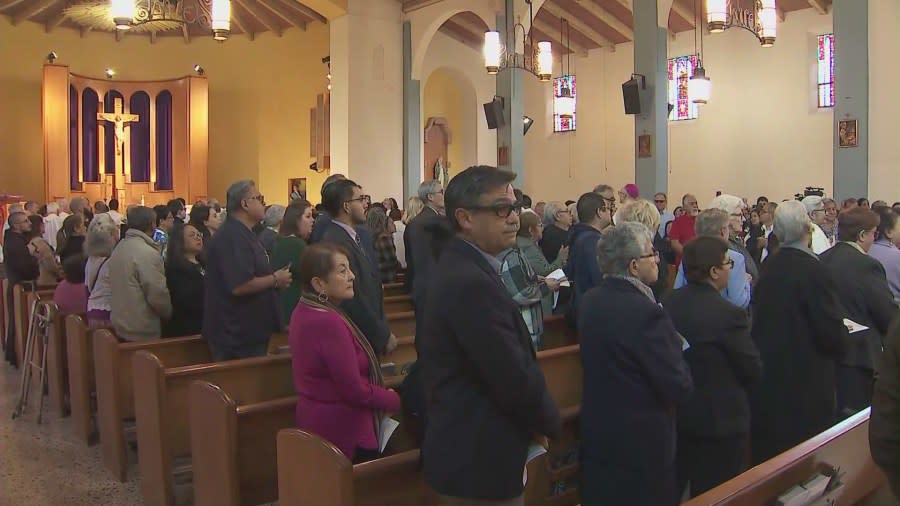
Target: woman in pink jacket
341 394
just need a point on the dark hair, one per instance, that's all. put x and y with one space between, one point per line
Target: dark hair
199 214
856 220
174 205
860 201
292 215
378 205
43 210
467 187
114 204
569 203
701 254
378 221
887 221
162 212
317 261
175 248
100 207
396 214
393 202
141 218
336 193
527 221
526 201
73 268
588 205
520 196
761 200
67 230
36 223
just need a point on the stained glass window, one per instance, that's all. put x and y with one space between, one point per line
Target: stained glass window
681 69
825 70
564 104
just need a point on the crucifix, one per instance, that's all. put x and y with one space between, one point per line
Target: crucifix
120 120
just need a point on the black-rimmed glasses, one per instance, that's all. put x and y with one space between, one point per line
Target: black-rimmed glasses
650 255
502 210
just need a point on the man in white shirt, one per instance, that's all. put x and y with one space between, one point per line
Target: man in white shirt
52 223
114 212
816 209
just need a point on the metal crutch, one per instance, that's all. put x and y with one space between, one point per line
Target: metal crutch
39 328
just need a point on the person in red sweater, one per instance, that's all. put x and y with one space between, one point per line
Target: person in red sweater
70 294
340 391
682 229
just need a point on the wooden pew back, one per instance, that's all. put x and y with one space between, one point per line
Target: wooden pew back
397 303
393 289
58 365
79 348
402 324
844 446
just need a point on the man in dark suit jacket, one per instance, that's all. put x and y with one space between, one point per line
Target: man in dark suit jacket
714 421
343 200
866 298
884 438
487 400
21 266
417 241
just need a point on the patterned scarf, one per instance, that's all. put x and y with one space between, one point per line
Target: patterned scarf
646 290
375 376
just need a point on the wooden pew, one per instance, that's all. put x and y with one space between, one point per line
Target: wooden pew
557 333
393 289
4 312
161 409
79 349
402 323
115 392
397 303
24 297
58 365
844 446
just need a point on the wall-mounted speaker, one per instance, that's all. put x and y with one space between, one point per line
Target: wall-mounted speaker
493 113
631 94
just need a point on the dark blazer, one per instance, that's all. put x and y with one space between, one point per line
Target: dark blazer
485 392
323 219
799 331
866 298
20 264
419 252
724 361
884 438
634 377
366 308
554 239
186 290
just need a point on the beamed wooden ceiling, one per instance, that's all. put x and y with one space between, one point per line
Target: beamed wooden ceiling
248 17
592 23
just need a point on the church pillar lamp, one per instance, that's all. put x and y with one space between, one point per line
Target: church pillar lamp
497 57
759 17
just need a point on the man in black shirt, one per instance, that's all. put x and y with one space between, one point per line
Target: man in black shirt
21 266
241 305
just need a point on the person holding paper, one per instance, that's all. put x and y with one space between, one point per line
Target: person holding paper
531 233
866 299
340 390
714 421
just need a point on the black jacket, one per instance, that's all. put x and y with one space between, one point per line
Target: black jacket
799 331
420 258
554 239
20 264
723 361
866 298
634 377
884 438
582 269
366 308
485 392
186 289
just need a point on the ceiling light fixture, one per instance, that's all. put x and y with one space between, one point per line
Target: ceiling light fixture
110 73
699 87
760 18
199 70
162 15
497 57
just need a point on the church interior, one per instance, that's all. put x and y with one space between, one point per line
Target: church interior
145 101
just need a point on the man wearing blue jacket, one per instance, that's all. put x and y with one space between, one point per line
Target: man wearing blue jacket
594 215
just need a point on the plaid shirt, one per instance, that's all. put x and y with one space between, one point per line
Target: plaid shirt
387 257
526 289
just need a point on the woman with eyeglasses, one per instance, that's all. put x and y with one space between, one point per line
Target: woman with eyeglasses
557 220
185 276
714 421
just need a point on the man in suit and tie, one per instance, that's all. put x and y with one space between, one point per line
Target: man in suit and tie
487 399
343 201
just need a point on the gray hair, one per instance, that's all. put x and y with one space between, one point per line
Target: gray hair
728 203
603 188
274 215
101 236
711 222
621 244
639 211
237 193
573 212
812 203
78 205
551 209
16 208
791 222
52 208
141 218
428 188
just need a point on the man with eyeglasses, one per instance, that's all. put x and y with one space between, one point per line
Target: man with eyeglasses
487 398
419 243
594 216
661 201
241 302
682 229
609 196
21 267
816 210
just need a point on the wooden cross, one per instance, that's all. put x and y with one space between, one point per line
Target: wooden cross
120 120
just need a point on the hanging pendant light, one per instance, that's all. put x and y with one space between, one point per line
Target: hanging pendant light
716 15
497 57
492 52
221 19
768 22
122 12
699 87
544 66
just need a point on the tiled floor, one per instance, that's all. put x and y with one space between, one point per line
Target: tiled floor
44 465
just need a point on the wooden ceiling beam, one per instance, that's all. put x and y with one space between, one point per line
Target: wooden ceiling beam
780 12
153 37
306 11
819 6
55 21
6 4
36 7
263 19
606 17
462 35
239 21
412 5
684 13
185 33
578 25
295 20
548 30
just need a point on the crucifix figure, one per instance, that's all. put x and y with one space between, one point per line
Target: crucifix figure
120 120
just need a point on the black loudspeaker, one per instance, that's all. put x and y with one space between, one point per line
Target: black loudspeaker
493 112
631 93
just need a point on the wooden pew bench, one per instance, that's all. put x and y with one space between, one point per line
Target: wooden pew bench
58 365
82 387
402 323
391 289
397 303
844 446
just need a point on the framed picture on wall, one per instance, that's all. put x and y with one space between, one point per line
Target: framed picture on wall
296 189
847 133
645 146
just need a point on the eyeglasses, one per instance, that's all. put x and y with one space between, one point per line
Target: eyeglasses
650 255
195 235
259 198
660 201
435 193
729 263
501 210
358 199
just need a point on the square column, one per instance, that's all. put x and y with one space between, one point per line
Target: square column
510 136
650 32
412 121
851 96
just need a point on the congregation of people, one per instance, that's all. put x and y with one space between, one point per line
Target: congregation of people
713 337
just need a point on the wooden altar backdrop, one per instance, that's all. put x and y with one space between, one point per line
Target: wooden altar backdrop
151 157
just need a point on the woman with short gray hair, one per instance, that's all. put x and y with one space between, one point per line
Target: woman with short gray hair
102 236
632 359
557 220
799 330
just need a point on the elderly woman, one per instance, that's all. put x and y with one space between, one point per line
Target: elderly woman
268 230
831 212
815 207
799 330
714 422
866 299
633 360
557 220
644 212
887 248
735 207
102 236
